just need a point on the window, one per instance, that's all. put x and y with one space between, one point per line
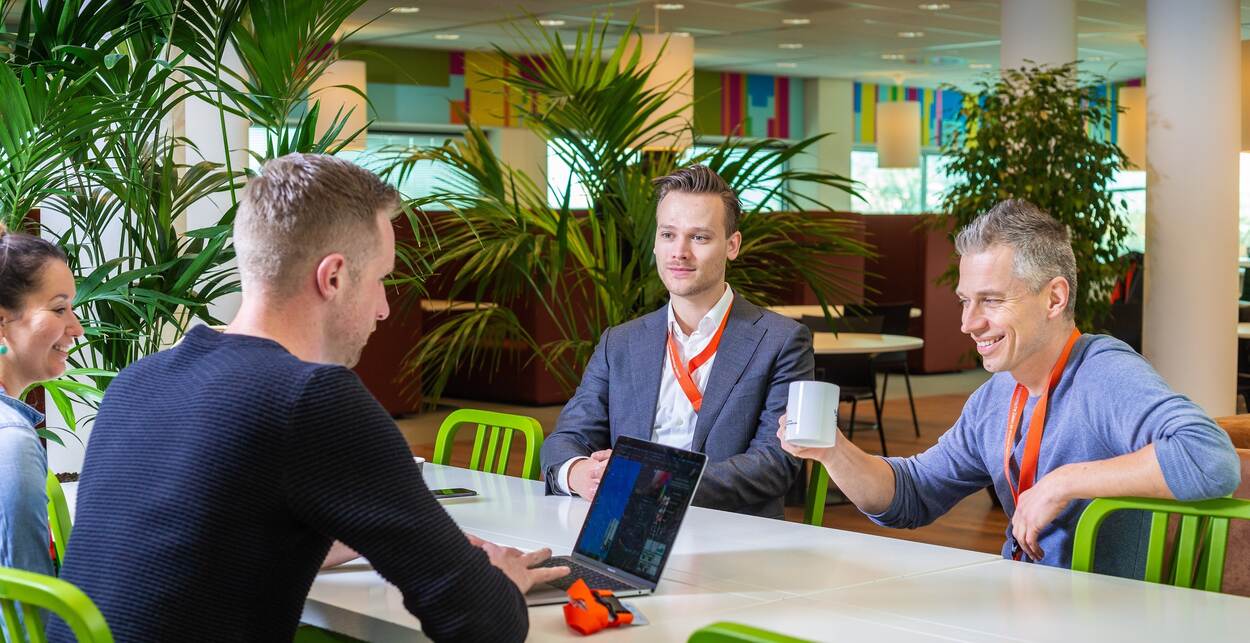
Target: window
424 177
560 178
898 190
1130 186
560 175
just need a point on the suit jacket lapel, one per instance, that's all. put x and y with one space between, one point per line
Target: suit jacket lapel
737 346
647 364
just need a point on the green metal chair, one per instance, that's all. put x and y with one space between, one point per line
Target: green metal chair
725 632
817 490
1195 558
31 593
493 440
58 517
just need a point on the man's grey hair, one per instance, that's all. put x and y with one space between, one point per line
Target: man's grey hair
1042 249
301 208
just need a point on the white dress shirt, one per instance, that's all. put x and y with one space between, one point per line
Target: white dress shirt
675 417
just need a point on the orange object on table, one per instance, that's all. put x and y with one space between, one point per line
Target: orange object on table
591 610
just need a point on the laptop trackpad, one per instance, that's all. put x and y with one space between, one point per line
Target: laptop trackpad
546 594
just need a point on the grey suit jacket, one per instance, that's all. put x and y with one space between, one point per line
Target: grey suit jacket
760 353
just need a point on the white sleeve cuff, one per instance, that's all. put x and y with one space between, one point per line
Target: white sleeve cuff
562 478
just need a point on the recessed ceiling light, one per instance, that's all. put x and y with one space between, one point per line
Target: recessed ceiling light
681 34
551 22
787 65
790 45
911 34
796 21
1094 59
893 57
980 66
405 9
670 6
570 46
447 36
934 6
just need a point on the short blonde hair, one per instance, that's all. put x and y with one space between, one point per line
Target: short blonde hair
301 208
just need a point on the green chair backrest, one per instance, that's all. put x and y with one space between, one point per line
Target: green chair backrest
493 440
30 592
1195 558
817 490
58 517
725 632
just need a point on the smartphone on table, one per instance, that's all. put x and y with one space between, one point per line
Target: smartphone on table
457 492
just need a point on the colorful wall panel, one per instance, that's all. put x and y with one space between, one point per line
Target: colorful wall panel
750 105
939 111
436 86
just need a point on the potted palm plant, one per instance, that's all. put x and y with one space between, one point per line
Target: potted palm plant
87 94
505 244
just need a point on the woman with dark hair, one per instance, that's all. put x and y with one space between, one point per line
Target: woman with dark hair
37 329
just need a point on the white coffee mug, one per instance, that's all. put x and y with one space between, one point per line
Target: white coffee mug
812 414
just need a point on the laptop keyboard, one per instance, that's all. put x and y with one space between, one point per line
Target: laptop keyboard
594 579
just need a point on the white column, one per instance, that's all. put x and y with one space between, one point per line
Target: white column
203 126
1043 31
1190 316
828 107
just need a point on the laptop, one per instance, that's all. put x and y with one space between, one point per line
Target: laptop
632 523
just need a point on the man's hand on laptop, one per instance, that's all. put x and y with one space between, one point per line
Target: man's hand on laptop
585 475
516 565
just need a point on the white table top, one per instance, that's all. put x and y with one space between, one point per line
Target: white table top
721 562
862 343
797 312
816 583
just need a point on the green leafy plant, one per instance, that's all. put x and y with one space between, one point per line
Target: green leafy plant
503 244
88 91
1037 133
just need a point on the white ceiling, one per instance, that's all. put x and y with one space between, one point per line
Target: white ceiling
843 40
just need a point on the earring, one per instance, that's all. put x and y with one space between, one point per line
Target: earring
3 349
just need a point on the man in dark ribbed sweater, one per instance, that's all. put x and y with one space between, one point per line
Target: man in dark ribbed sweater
220 471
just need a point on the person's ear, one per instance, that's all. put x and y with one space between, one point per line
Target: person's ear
1059 293
331 275
734 245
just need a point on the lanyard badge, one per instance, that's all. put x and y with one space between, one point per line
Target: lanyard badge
1037 426
683 371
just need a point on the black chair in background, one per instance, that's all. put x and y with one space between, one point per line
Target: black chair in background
1125 319
853 374
897 321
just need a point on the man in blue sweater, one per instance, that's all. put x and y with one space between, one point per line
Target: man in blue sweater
219 472
1112 427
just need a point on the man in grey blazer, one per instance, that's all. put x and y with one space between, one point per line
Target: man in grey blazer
708 372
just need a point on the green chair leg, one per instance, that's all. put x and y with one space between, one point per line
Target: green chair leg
493 441
817 492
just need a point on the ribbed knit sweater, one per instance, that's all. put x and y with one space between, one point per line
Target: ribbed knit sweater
217 475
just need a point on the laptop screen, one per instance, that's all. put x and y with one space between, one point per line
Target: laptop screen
639 506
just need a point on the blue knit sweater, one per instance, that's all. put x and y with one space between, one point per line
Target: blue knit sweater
1109 402
217 476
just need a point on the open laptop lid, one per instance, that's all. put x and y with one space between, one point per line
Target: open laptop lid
636 513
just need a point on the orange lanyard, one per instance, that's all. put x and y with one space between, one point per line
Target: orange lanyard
1037 425
682 371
